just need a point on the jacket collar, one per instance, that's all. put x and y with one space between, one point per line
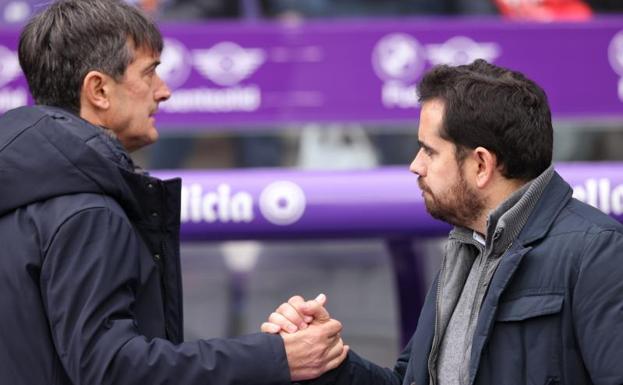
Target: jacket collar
98 138
556 195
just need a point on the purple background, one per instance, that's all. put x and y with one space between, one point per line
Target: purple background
323 71
384 202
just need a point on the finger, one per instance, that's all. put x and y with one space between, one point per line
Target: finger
270 328
321 299
282 322
334 363
292 314
331 328
297 302
336 348
333 350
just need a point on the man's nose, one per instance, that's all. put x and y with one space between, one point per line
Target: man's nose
163 92
417 166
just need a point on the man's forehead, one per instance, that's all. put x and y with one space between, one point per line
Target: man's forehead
144 49
147 51
433 107
145 56
431 117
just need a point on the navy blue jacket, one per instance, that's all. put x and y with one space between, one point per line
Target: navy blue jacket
90 287
553 313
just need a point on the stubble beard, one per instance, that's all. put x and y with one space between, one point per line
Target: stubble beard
460 206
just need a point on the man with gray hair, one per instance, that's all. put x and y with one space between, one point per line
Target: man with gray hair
90 285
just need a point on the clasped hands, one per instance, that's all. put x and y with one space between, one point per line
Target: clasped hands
311 337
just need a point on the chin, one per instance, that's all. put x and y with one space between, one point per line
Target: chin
139 143
154 137
151 137
148 141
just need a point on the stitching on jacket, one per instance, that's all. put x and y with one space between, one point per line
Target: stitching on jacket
19 133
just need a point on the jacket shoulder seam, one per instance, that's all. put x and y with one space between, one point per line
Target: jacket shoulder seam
82 172
587 245
72 216
589 223
21 132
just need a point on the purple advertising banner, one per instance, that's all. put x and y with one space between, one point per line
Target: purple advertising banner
385 202
254 74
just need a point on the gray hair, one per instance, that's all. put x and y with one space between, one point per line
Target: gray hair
59 46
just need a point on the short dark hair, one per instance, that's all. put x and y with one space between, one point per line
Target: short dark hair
60 45
496 108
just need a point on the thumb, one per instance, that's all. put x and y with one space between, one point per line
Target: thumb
321 299
309 314
316 310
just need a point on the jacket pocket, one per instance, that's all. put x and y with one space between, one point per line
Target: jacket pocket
523 308
525 343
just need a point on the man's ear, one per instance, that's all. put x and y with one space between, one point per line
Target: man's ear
487 165
96 88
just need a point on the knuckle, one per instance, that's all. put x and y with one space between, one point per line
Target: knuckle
275 317
334 325
296 299
266 327
283 308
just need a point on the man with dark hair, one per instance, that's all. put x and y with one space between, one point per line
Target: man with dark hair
530 288
90 286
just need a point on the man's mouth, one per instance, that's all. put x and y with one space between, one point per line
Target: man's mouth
422 186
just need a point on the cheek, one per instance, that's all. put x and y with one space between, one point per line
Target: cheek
138 92
439 172
442 179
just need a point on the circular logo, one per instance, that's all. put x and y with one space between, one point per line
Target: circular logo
9 66
398 57
175 65
227 63
460 50
16 11
282 203
615 53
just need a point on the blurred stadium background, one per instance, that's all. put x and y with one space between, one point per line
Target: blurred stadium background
304 85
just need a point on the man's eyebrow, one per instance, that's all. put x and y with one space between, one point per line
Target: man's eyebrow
152 65
425 146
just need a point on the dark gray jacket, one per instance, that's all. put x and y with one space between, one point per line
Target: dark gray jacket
90 288
553 313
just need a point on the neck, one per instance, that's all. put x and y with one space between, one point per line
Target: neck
91 116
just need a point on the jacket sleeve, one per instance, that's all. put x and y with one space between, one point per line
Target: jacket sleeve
89 283
356 370
598 307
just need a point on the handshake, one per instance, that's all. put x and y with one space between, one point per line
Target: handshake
311 337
